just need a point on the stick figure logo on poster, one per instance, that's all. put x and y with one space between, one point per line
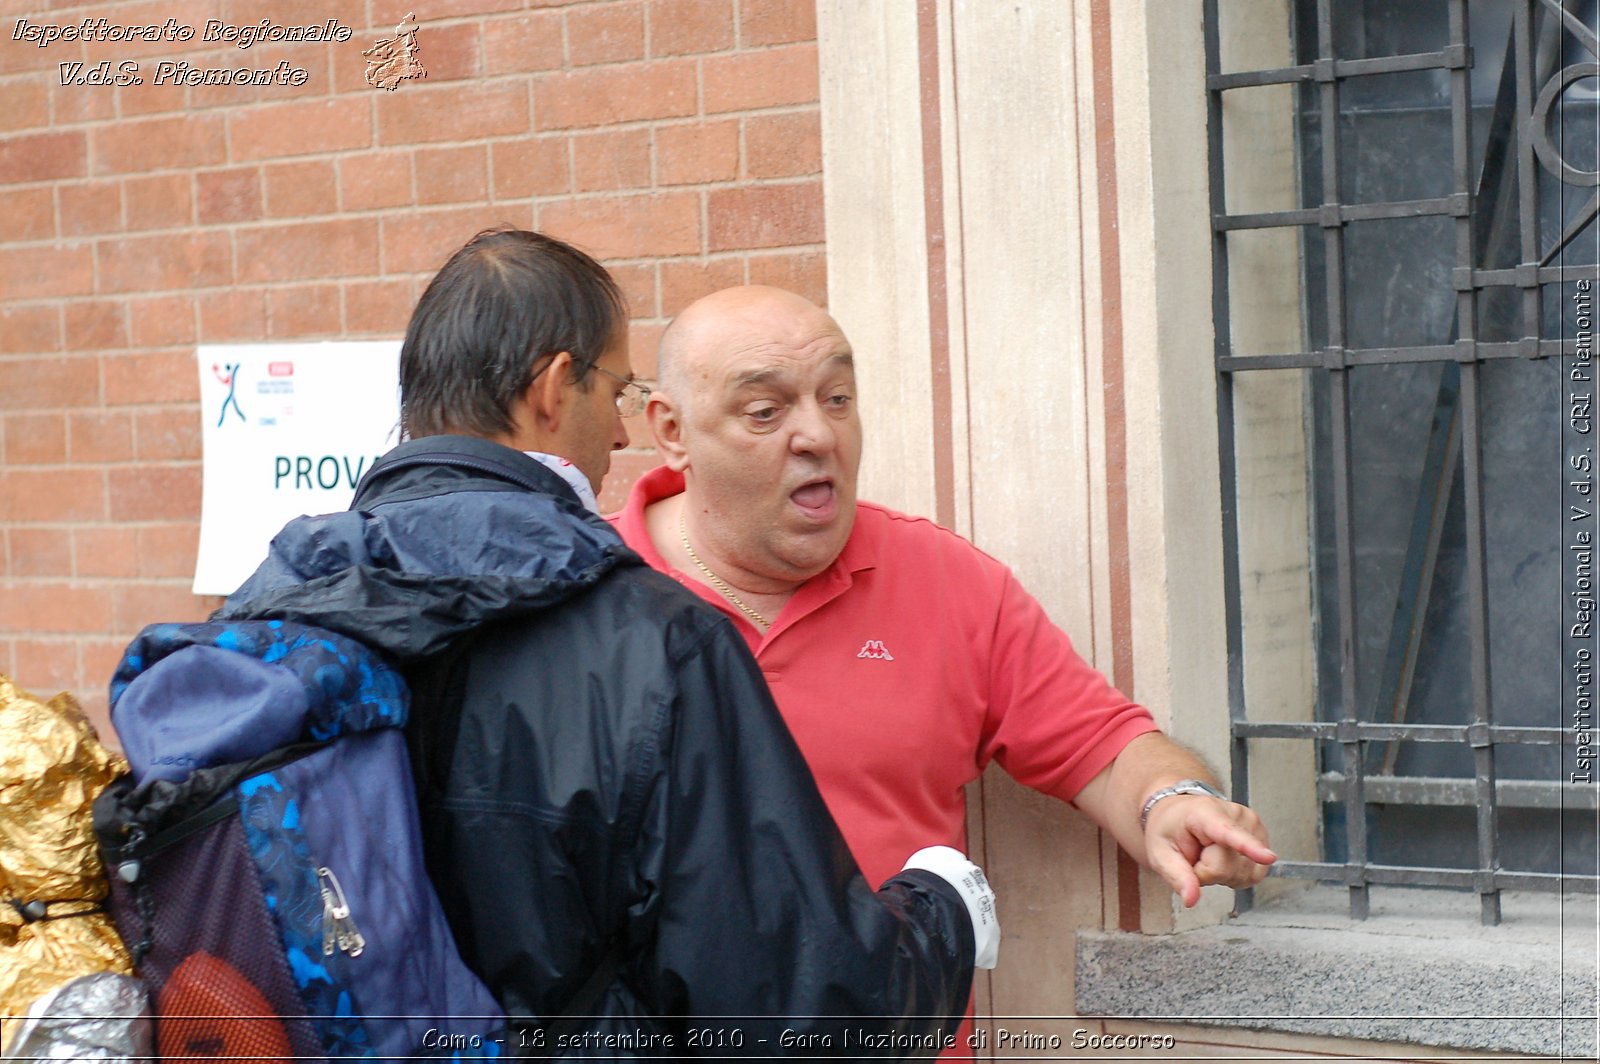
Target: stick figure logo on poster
394 59
228 374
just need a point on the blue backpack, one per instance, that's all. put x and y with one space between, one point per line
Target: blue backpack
265 855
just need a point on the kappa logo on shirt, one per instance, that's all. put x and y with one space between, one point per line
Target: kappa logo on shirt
874 648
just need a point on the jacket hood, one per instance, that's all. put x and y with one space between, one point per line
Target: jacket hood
445 534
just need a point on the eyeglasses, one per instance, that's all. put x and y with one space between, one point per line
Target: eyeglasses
633 397
630 401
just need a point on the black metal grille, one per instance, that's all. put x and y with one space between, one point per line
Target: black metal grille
1494 208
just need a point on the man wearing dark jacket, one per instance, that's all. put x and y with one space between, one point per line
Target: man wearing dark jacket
616 818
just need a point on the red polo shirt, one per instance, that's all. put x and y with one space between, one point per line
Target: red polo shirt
907 665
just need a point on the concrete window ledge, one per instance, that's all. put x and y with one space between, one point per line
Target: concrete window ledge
1419 970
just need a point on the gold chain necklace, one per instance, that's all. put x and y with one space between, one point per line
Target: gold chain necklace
716 581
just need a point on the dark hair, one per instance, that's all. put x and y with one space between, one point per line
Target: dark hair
503 302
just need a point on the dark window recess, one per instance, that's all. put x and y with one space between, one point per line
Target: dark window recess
1448 190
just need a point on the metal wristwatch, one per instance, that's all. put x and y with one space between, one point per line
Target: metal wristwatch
1181 787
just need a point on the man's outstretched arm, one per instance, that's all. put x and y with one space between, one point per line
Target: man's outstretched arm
1190 840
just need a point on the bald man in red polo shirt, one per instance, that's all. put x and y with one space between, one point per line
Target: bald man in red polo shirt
903 658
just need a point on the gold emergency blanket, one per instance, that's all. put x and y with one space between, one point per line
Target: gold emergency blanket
51 769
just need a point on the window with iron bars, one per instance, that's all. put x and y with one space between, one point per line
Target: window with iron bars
1404 322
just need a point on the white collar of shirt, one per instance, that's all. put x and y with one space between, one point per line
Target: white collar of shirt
569 473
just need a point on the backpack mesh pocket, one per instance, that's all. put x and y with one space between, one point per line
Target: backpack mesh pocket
216 973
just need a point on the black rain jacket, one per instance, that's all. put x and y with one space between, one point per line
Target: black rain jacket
599 764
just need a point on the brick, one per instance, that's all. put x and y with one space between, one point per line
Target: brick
76 107
602 162
99 436
381 307
783 145
55 608
627 227
764 216
161 322
168 550
351 13
231 316
639 434
35 439
21 56
763 22
605 33
312 57
627 92
303 311
386 14
135 605
157 144
449 53
684 27
775 77
27 102
140 101
452 175
263 55
29 213
51 665
154 492
518 215
643 339
41 552
453 112
300 127
43 157
683 282
626 468
531 166
638 284
106 551
194 14
516 46
96 709
90 208
375 180
223 196
162 377
697 153
35 383
167 434
28 330
96 324
100 660
298 190
802 272
338 248
154 263
52 495
348 73
42 271
218 98
163 201
421 241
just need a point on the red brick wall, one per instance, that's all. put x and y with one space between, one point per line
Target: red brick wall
677 140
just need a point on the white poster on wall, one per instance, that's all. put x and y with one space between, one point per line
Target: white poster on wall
288 429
